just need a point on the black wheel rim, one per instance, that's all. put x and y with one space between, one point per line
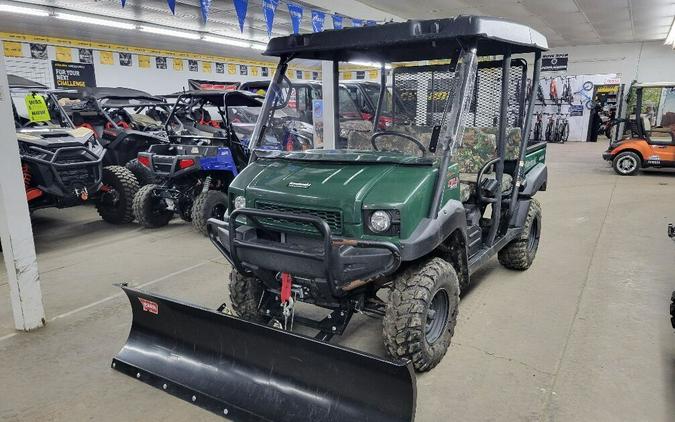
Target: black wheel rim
218 211
437 316
533 237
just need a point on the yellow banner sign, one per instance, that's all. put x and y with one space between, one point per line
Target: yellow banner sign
107 57
37 108
144 62
231 69
607 89
13 49
206 67
372 74
64 54
254 70
347 75
178 64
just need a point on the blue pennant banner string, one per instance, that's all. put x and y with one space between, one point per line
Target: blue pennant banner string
124 3
318 19
205 5
296 16
269 9
370 23
337 22
172 5
241 7
357 22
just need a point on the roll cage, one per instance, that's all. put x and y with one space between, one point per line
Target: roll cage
459 42
219 99
115 101
53 102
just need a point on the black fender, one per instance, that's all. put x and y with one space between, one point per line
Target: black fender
535 180
432 232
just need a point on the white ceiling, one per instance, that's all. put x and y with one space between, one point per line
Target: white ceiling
564 22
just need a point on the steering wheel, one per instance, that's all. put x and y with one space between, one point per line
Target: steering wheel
405 136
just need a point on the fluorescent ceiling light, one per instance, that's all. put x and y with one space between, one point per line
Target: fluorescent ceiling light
170 32
670 39
234 43
226 41
371 64
95 21
23 10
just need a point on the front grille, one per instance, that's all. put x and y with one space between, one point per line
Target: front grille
333 218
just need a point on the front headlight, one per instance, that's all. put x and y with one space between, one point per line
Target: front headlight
380 221
239 202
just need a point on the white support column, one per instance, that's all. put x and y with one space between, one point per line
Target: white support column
16 232
329 76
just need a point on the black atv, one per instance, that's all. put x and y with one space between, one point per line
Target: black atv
125 121
204 155
62 165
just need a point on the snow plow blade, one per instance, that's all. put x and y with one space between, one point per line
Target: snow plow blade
250 372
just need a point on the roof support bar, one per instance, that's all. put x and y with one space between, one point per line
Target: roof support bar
273 95
380 98
525 138
501 144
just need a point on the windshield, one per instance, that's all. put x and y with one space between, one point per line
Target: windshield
34 109
428 109
428 95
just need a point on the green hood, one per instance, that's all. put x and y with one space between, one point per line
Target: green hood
336 185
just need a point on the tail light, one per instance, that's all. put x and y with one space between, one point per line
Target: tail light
185 163
144 160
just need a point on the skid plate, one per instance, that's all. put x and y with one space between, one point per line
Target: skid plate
250 372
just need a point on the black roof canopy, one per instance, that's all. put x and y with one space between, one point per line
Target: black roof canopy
23 83
119 93
221 98
411 40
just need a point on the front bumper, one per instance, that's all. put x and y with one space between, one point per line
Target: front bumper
607 156
65 172
251 247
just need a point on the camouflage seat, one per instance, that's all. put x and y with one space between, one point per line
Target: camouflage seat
479 146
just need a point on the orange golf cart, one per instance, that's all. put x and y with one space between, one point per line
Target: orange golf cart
649 137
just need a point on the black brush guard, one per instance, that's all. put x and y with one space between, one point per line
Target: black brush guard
53 160
250 372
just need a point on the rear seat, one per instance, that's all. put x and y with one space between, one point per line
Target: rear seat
479 146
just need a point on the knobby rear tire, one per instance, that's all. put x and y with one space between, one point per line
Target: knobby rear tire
124 183
212 203
519 253
148 210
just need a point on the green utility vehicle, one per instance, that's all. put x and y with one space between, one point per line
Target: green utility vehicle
393 226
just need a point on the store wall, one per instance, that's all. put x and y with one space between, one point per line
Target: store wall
646 62
150 79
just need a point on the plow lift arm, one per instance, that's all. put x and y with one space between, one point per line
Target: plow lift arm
250 372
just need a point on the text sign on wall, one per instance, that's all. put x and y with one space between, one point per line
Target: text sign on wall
554 62
73 75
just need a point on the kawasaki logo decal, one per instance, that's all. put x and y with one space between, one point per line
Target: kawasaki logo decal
302 185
